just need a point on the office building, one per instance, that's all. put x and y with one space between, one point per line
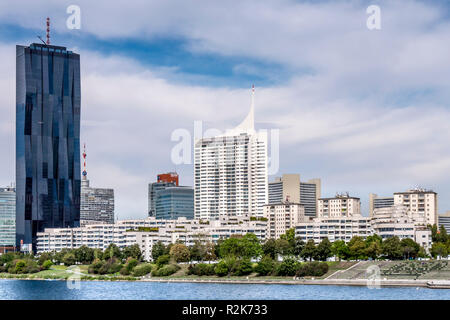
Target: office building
230 172
164 180
97 204
282 217
288 187
174 203
444 220
7 219
47 140
376 202
342 205
419 201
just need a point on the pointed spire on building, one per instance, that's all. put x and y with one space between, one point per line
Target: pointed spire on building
248 125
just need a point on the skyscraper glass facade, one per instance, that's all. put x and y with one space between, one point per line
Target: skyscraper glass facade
47 140
174 202
7 217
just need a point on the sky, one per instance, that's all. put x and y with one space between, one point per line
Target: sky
367 111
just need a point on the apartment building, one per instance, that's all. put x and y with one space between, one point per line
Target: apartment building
342 205
419 201
282 217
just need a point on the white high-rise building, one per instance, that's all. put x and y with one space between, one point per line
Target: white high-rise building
419 201
230 172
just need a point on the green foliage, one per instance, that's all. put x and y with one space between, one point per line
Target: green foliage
247 246
69 259
244 267
221 269
201 269
309 250
197 251
166 270
179 253
158 250
142 269
313 269
410 249
269 248
162 260
132 252
357 248
127 269
340 249
323 250
392 248
288 267
46 265
265 266
112 251
438 249
283 247
84 255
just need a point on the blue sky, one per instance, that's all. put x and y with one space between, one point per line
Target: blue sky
364 110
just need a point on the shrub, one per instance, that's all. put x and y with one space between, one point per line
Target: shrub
110 266
313 269
142 269
288 267
46 265
201 269
166 270
69 259
221 269
265 266
129 266
96 266
243 268
162 260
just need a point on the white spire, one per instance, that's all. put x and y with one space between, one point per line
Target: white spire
248 125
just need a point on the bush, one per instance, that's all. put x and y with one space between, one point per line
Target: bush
244 267
69 259
95 267
221 269
110 266
201 269
162 260
288 267
129 266
312 269
265 266
142 269
166 270
46 265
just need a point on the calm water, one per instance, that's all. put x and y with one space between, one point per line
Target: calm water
100 290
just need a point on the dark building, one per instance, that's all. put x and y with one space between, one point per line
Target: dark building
47 140
174 202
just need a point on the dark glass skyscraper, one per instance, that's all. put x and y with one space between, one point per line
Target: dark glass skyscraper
47 140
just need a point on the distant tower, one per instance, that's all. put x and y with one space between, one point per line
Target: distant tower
84 180
48 31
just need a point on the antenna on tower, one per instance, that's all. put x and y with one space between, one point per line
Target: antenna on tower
84 162
48 30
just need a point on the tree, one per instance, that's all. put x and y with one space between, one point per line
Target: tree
357 248
299 244
340 249
392 248
323 250
283 247
84 255
179 253
288 267
309 251
69 259
210 252
265 266
439 249
197 251
410 248
373 250
158 250
162 260
133 251
441 235
434 232
252 246
112 251
247 246
269 248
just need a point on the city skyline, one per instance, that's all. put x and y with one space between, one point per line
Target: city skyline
340 119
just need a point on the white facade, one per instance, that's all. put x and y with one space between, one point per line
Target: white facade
282 217
126 233
419 201
230 173
343 228
339 206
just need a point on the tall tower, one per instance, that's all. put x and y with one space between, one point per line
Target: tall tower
48 102
230 172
